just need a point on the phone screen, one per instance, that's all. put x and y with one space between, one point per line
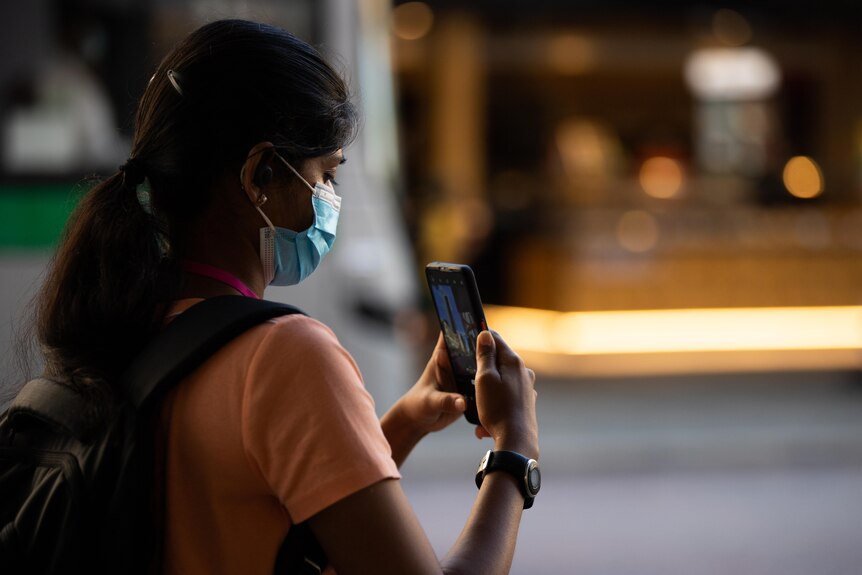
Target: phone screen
459 310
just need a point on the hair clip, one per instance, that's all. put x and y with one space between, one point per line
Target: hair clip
175 77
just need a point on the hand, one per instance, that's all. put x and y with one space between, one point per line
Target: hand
505 396
432 403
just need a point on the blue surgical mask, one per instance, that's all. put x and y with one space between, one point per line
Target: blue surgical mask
288 257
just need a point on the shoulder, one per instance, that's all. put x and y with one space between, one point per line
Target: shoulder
298 344
291 332
299 332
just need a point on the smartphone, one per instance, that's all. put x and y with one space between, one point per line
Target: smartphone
459 309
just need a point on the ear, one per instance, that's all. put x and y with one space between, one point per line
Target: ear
259 155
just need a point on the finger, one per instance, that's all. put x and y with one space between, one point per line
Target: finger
440 346
450 402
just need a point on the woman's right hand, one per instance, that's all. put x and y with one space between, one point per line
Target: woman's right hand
505 397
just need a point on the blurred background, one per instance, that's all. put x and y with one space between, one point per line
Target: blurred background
662 202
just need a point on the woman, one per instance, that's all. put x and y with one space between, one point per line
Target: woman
228 189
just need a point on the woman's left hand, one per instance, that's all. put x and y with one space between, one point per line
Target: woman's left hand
430 405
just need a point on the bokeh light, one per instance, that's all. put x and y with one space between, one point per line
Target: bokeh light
803 178
637 231
661 177
732 73
412 21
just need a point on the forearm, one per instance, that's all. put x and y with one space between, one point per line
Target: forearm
487 542
400 433
392 540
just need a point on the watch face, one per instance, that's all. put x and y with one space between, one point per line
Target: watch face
534 479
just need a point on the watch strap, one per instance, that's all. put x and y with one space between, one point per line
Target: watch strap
513 463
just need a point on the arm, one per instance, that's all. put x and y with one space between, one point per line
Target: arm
376 531
401 433
392 541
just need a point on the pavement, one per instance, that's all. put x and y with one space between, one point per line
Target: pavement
755 474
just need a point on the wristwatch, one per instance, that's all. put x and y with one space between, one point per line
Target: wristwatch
525 470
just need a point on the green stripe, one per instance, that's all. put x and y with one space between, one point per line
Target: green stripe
33 216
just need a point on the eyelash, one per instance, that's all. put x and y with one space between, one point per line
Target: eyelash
330 178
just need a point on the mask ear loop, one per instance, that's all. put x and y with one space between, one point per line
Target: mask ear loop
292 169
329 196
266 219
261 199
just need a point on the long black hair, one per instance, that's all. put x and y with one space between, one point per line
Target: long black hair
227 86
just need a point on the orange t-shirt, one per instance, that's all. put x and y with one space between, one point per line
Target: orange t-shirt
273 428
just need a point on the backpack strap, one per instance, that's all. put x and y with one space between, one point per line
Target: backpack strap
183 345
300 553
190 339
56 404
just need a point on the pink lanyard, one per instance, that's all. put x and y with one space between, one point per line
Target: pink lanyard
219 275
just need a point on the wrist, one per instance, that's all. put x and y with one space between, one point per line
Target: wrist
527 444
397 423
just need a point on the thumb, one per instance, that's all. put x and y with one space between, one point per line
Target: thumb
486 351
451 402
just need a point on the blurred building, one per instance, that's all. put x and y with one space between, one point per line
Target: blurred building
638 156
585 158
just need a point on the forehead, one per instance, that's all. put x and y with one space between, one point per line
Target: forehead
325 162
336 157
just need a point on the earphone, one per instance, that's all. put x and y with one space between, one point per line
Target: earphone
262 175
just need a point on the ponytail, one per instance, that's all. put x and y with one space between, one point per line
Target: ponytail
106 287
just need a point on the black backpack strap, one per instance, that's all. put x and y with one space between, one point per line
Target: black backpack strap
183 345
191 338
300 553
55 404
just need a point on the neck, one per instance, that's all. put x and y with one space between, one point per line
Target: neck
225 235
228 253
220 276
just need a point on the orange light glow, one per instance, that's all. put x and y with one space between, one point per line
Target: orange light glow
665 341
412 21
661 177
803 178
667 331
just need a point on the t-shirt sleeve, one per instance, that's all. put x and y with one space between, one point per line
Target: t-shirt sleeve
308 422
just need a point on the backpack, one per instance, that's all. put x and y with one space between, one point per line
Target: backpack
78 492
